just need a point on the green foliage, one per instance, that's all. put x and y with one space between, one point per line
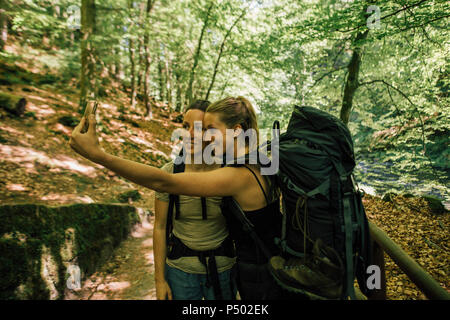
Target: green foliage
283 52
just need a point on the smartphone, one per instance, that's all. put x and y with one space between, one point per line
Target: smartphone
91 107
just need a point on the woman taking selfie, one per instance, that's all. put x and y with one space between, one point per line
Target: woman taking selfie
253 192
199 229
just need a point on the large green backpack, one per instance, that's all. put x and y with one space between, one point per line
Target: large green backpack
320 196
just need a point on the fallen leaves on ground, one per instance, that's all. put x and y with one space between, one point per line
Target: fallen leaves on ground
421 234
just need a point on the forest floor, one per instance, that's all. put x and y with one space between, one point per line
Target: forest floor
421 234
129 275
38 166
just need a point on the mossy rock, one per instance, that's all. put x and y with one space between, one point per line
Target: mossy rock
132 194
27 229
389 196
69 121
13 257
435 204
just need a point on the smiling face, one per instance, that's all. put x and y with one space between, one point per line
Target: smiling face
213 123
190 117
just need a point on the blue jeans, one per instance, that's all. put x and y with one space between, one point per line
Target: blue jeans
189 286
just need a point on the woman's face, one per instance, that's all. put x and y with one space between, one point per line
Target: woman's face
188 124
212 122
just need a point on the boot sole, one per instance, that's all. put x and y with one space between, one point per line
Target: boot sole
309 294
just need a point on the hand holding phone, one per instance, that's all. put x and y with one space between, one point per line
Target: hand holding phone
91 107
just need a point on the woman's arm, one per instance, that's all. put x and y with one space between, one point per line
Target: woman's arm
227 181
160 249
221 182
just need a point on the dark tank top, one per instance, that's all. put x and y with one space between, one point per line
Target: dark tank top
267 225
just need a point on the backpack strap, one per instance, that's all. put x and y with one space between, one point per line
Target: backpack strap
212 275
260 185
204 212
348 230
174 201
348 227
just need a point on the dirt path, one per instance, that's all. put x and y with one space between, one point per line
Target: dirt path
129 273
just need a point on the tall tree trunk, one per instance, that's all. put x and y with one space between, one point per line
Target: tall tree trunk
56 9
189 95
117 64
87 79
131 51
161 78
147 105
4 29
140 49
178 102
112 70
168 79
132 74
140 69
352 83
222 45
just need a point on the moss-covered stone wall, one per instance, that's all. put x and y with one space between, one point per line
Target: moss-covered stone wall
39 243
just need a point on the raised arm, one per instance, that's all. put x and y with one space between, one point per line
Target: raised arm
220 182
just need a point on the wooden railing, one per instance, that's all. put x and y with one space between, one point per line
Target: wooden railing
382 243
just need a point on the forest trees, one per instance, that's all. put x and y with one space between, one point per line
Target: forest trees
197 53
147 58
3 26
382 66
219 56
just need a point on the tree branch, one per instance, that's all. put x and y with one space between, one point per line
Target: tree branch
388 15
327 74
408 99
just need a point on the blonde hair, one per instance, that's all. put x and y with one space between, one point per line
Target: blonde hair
236 111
